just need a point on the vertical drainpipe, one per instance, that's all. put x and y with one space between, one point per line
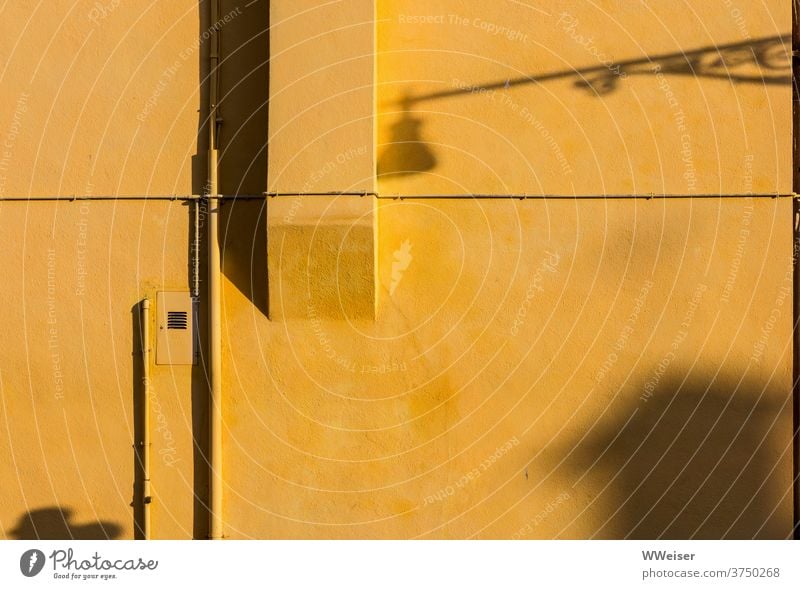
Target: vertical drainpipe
145 443
796 358
214 299
796 267
796 281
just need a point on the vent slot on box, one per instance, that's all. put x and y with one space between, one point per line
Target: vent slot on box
177 320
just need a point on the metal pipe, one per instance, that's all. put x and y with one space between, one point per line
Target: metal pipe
145 441
796 371
76 198
331 193
196 252
214 298
172 197
234 197
215 361
795 279
575 196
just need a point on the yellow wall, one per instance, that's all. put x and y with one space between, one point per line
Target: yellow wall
517 368
607 97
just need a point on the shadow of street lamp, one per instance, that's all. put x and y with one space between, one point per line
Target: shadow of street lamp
406 152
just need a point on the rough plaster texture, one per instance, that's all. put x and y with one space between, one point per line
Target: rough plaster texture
322 139
322 96
533 368
536 97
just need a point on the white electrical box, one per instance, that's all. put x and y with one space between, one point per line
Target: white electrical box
175 337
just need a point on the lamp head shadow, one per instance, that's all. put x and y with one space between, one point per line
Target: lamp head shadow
406 153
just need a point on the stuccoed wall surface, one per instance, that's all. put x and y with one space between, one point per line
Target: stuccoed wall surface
100 98
573 97
537 369
322 139
70 369
540 369
322 96
109 95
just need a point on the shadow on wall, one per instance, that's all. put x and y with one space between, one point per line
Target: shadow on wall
764 61
406 152
700 458
243 29
55 523
138 389
244 96
243 107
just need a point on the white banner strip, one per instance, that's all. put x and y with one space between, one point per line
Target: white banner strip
400 564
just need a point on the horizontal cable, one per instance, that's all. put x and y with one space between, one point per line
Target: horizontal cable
199 197
89 197
578 196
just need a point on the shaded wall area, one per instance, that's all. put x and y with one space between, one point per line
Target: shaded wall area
56 523
498 394
700 456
